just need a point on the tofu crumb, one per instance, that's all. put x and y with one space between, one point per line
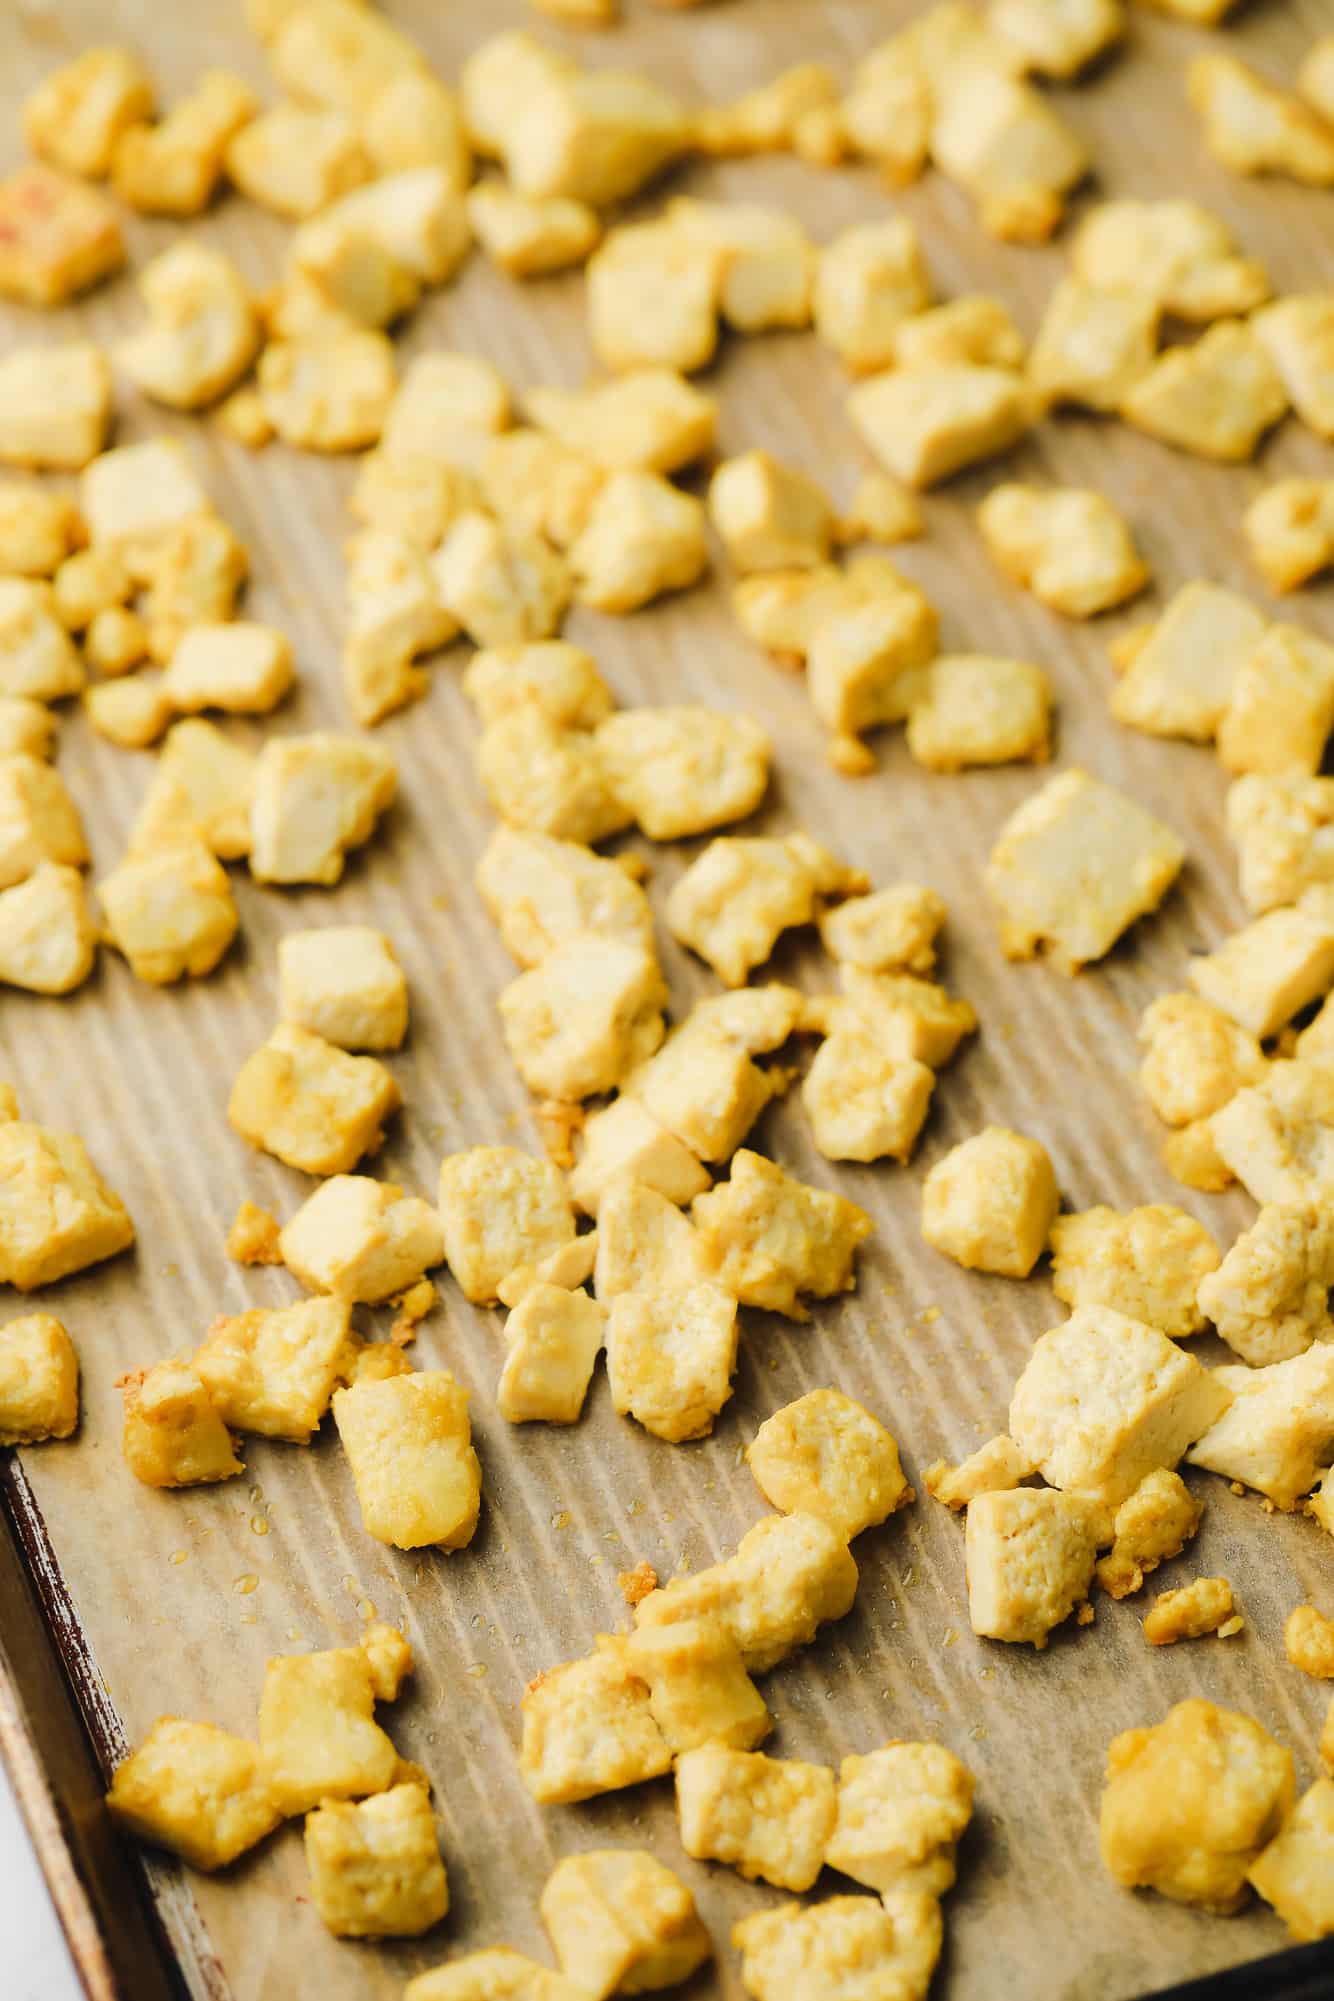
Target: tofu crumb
1152 1524
635 1585
253 1237
1200 1607
995 1466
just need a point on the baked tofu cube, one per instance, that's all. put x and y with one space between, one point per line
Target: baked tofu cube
315 798
134 497
555 1336
1104 1400
1190 1803
1180 681
242 668
973 709
170 910
1294 1872
864 1104
77 113
881 510
1269 1298
763 261
530 237
48 940
1215 399
868 280
990 1202
317 1730
494 1975
203 783
769 1239
273 1370
1146 1263
1277 1136
924 424
1252 128
1030 1554
1196 1058
1172 251
195 1790
174 1435
1277 1434
541 483
901 1812
194 573
842 1949
296 161
375 1868
57 1215
409 1444
37 529
202 332
789 1574
993 1467
645 1244
912 1018
652 299
57 237
336 54
1074 867
443 401
684 771
865 662
39 1381
1266 973
670 1357
699 1690
37 659
504 584
343 982
1289 529
621 1922
329 394
1059 41
312 1105
1152 1524
624 1142
1094 344
1067 545
770 1818
559 680
500 1208
1001 140
1295 332
173 168
768 515
738 897
643 537
132 712
394 614
1282 705
55 405
580 1022
39 821
649 420
541 891
588 1728
361 1240
891 929
826 1455
544 778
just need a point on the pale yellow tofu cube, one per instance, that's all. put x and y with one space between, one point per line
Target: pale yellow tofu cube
684 771
670 1355
336 52
969 709
863 1102
768 515
203 784
991 1201
415 219
194 575
361 1240
825 1455
174 1435
1104 1400
926 423
865 660
547 487
174 167
1215 398
1269 1298
1277 1136
39 821
1308 1642
548 778
1181 679
975 327
500 1208
1289 529
1171 251
766 119
410 496
195 1790
738 897
648 420
311 1105
1277 1433
621 1922
1267 972
542 891
116 641
242 668
57 1215
202 333
530 236
317 1729
409 1444
1190 1803
1029 1554
37 657
769 1239
868 280
58 237
55 405
770 1818
133 497
1295 1873
842 1949
1074 867
273 1370
1067 545
624 1142
1147 1263
643 537
494 1975
1152 1524
588 1729
133 711
375 1868
645 1244
567 1269
1282 706
886 116
296 161
901 1812
37 530
503 584
1296 331
555 1336
1094 344
790 1573
445 398
577 1024
1203 1606
331 394
891 929
881 510
39 1381
1058 41
1001 140
763 259
170 910
77 113
652 299
699 1690
48 940
1196 1058
995 1466
314 798
343 982
1253 128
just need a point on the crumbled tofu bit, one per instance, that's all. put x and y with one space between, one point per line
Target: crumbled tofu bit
624 1142
559 680
116 641
202 330
652 297
494 1975
901 1812
588 1728
1308 1638
1030 1555
194 575
37 657
975 328
174 1435
336 53
763 261
869 280
328 395
203 784
445 397
911 1018
57 1215
195 1790
545 778
500 1208
769 516
415 221
529 236
1067 545
554 1336
1198 1608
770 1818
1182 678
881 510
684 771
645 1244
39 1381
39 822
738 897
579 1022
541 891
240 667
170 910
410 496
1094 344
999 139
1104 1400
1295 1872
670 1356
991 1201
649 420
1215 398
1074 867
768 1238
1146 1263
133 498
317 1729
544 486
253 1237
1282 706
621 1922
58 237
1289 529
1190 1802
995 1466
27 728
926 423
1267 972
865 661
1269 1299
842 1949
37 530
825 1455
970 709
643 537
315 797
1059 41
77 113
89 581
1253 128
790 1573
409 1444
1277 1435
1296 332
174 167
273 1371
1171 251
375 1868
699 1690
766 119
891 929
863 1102
295 160
343 982
361 1240
55 405
310 1104
1197 1059
1152 1524
132 712
504 584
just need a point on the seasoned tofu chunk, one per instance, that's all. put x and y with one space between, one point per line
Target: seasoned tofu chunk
842 1949
170 910
317 1729
559 680
1201 1607
39 1381
624 1142
1002 141
579 1023
361 1240
311 1105
555 1336
1147 1263
202 333
273 1370
375 1868
652 299
409 1444
77 113
1171 251
38 530
174 1435
738 897
890 929
541 892
1295 1873
504 584
241 667
173 168
135 497
295 160
57 1214
55 405
588 1728
762 257
684 770
1094 344
1295 331
768 515
1196 1058
670 1357
901 1812
494 1975
645 1244
203 784
1269 1298
195 1790
648 420
1152 1524
865 661
925 423
770 1818
642 537
1067 545
328 393
770 1240
58 237
790 1573
1282 706
698 1687
1277 1135
971 709
48 940
1266 973
530 236
869 280
910 1018
991 1201
864 1103
993 1467
1253 128
500 1208
1215 398
1181 679
315 798
132 712
826 1455
1030 1554
38 661
343 982
621 1922
1277 1433
1289 529
543 777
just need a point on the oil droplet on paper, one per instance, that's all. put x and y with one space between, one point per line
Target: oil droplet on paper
477 1670
366 1608
561 1519
258 1525
179 1555
244 1585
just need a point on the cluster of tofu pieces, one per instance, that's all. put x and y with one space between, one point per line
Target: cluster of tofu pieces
487 513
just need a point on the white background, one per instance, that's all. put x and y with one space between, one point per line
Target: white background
37 1962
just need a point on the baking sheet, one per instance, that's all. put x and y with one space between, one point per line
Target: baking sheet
176 1600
